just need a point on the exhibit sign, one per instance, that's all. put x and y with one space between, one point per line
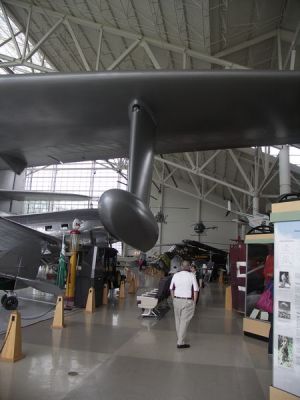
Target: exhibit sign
286 344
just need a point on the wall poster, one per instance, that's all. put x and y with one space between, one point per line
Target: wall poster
286 350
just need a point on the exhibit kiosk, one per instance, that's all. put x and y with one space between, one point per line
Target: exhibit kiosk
286 343
260 259
235 293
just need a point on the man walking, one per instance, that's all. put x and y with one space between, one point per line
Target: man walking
184 290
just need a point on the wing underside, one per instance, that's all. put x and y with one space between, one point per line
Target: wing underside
80 117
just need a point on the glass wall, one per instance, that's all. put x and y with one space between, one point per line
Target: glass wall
90 178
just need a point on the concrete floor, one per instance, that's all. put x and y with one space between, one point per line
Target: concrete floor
34 306
113 354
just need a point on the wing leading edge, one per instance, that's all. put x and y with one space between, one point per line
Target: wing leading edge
23 195
85 116
20 249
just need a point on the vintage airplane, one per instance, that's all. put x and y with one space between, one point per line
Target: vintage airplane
74 117
26 238
58 223
29 238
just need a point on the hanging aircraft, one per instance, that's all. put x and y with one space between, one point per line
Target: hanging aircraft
75 117
200 228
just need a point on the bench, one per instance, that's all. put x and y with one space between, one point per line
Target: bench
151 301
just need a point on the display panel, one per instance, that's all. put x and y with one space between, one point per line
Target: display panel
258 257
286 351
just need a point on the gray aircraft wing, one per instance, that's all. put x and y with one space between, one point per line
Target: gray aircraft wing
31 195
87 214
63 118
20 249
91 228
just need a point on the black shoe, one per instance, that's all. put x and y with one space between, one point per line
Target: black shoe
183 346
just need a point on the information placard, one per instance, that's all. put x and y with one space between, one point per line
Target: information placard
286 350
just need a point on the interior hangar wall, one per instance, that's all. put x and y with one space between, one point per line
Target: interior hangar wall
11 181
183 211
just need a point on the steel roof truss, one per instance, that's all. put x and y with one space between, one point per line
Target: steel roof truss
163 44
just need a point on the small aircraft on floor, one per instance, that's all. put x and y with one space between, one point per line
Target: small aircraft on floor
191 250
137 115
26 239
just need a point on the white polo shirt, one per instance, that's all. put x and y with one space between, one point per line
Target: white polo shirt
184 284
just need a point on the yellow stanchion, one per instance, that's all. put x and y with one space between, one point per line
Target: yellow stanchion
132 285
105 294
122 293
228 299
12 348
221 278
137 282
58 320
90 304
71 280
128 275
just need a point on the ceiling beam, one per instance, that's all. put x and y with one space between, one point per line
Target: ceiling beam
285 35
170 175
27 33
20 63
12 34
195 172
241 169
292 46
150 54
196 196
206 194
125 53
77 45
44 38
163 44
99 49
279 50
159 21
246 44
10 38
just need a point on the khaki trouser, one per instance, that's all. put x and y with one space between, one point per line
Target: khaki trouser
183 311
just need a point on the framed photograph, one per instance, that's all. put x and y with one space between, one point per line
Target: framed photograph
285 351
284 280
284 310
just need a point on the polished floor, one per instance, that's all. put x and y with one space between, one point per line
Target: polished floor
34 306
116 355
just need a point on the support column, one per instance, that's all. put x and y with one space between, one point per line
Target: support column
161 232
243 232
198 213
284 170
255 205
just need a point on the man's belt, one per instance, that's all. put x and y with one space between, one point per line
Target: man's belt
185 298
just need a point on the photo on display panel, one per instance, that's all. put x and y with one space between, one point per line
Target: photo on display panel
285 351
284 280
284 310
